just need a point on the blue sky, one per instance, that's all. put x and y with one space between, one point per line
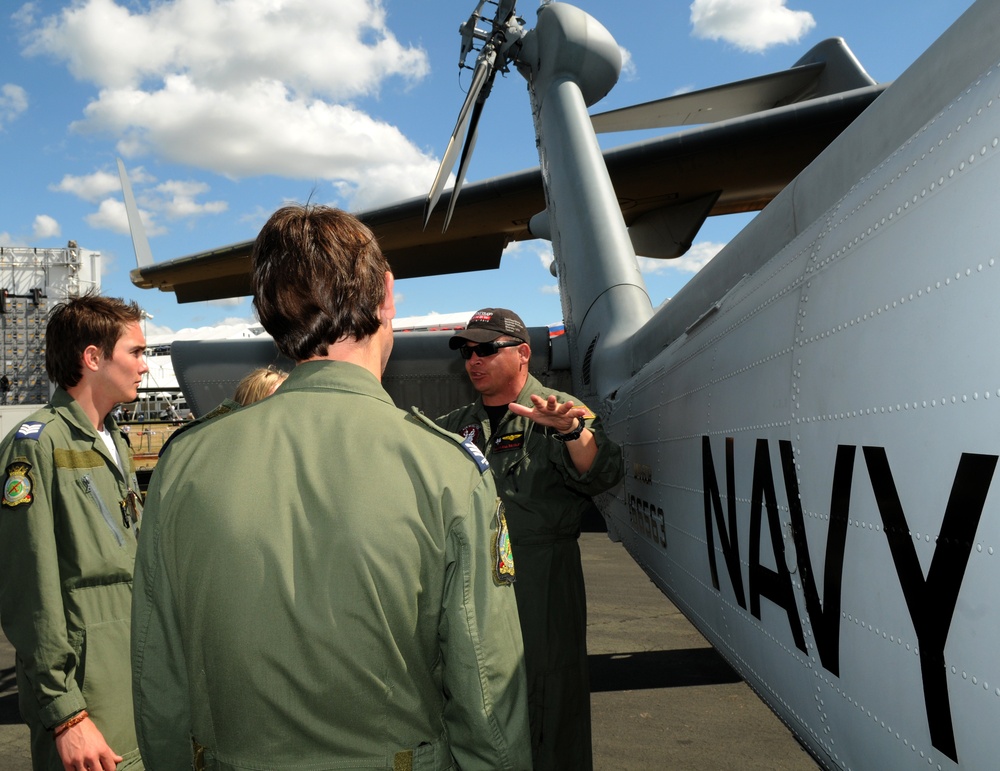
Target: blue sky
225 109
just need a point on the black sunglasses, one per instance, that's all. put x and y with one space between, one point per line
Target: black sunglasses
486 349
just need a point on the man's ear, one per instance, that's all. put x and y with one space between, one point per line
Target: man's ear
91 358
387 312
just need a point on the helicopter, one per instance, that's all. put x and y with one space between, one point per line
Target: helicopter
808 425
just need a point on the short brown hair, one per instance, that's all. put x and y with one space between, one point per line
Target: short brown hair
81 322
318 277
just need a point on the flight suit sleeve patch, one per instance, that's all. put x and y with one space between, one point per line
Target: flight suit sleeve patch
31 430
467 441
503 555
477 455
18 485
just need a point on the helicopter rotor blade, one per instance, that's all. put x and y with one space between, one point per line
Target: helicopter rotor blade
501 43
463 166
479 78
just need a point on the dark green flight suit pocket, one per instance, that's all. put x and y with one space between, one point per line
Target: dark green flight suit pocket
107 682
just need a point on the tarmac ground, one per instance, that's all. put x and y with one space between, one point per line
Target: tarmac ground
662 698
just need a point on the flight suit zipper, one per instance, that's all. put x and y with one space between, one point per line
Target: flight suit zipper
88 485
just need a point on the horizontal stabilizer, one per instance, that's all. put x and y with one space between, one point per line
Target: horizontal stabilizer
828 68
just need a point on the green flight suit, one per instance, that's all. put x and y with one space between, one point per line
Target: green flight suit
66 561
545 498
315 589
227 406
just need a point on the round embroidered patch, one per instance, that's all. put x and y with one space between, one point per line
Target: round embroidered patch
17 488
471 431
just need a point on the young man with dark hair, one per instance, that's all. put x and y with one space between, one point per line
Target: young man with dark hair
323 580
68 522
549 454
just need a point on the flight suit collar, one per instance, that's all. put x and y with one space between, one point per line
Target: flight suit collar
70 410
335 375
531 386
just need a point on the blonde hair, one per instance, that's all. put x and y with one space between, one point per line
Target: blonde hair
259 383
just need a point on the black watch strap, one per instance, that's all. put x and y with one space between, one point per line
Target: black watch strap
570 436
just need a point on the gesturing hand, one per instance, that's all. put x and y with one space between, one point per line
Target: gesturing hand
549 412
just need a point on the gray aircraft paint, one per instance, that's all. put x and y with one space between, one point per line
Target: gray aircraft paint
834 407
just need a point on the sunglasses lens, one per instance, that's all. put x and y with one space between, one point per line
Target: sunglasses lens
486 349
482 350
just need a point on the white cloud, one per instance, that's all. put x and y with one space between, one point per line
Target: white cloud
334 48
13 101
751 25
694 260
629 71
542 251
231 327
226 302
46 227
137 175
697 257
176 199
110 263
111 215
538 248
263 129
244 87
91 187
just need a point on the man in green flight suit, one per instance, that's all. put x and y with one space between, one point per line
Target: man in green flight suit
68 522
323 580
549 455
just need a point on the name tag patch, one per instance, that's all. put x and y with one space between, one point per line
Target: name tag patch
508 442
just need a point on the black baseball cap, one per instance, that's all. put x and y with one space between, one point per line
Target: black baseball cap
487 325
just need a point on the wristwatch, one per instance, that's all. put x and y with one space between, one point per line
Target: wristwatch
571 436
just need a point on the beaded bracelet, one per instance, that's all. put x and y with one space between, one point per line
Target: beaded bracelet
79 717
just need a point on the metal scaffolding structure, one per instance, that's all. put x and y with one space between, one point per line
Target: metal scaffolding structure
32 280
